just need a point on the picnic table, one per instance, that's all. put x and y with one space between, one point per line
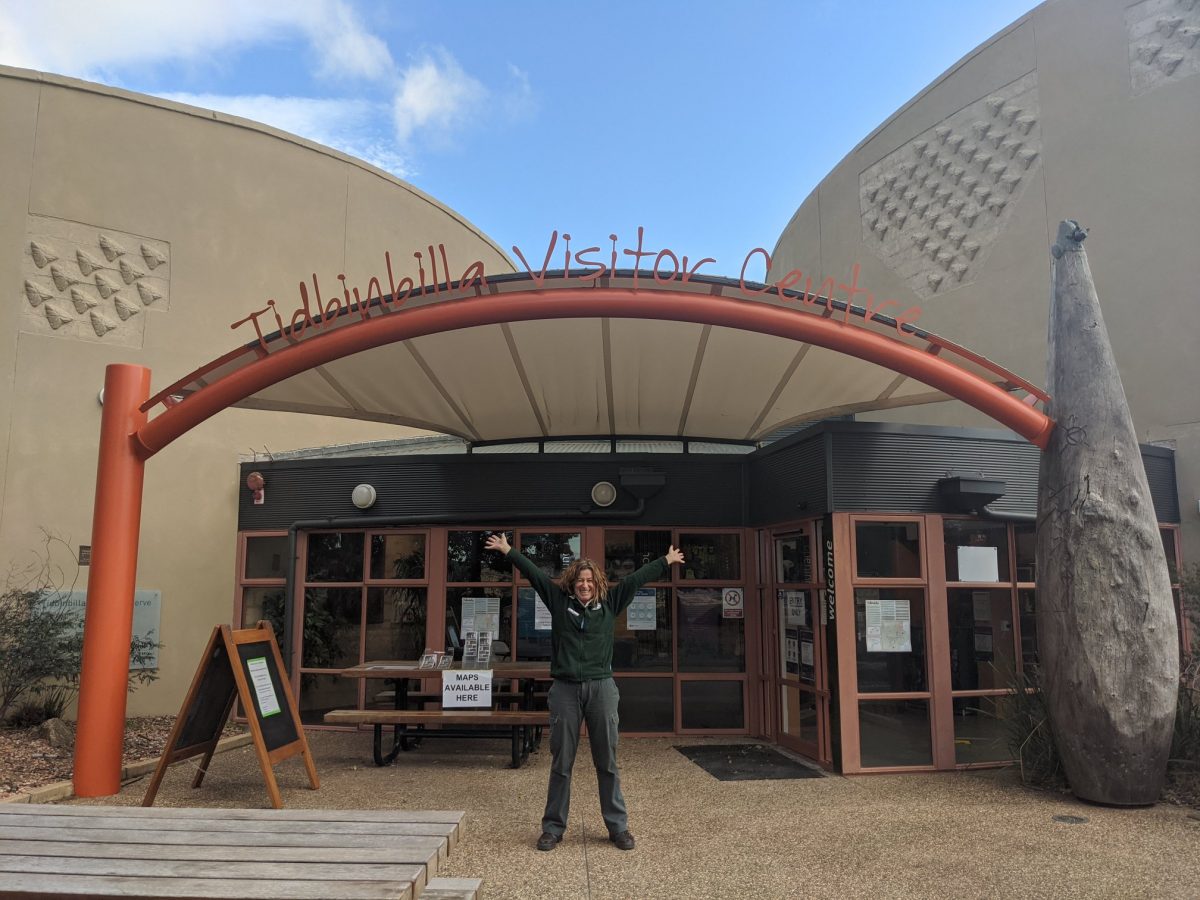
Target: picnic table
408 724
106 851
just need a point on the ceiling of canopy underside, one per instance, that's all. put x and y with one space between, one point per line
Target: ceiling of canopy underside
595 375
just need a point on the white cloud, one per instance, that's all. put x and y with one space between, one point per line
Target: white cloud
432 101
361 128
436 96
71 37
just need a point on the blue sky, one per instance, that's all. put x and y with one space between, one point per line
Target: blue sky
706 122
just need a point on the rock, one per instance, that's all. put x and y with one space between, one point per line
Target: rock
57 733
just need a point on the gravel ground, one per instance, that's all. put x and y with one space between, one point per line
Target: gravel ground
948 835
27 761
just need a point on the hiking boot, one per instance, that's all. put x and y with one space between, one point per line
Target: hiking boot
548 841
623 840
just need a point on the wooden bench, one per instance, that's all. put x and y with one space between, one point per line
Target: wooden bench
519 724
104 851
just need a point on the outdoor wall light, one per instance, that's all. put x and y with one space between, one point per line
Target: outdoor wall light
363 496
603 493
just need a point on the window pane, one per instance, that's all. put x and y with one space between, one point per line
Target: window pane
647 704
456 627
980 730
890 631
982 646
466 560
331 627
793 559
335 556
712 704
627 551
551 553
796 618
396 623
1026 540
398 556
799 713
888 549
1027 604
263 603
321 693
1168 542
266 557
646 647
708 642
976 551
533 643
711 556
895 733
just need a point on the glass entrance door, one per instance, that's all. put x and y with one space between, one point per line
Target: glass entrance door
799 638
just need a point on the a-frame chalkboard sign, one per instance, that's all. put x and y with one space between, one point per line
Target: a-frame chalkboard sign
238 665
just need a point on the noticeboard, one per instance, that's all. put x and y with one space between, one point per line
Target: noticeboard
240 665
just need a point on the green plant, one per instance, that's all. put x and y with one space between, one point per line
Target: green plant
41 639
321 648
1030 738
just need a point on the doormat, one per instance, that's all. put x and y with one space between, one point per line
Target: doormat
747 762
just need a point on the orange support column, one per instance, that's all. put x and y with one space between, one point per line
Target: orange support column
108 623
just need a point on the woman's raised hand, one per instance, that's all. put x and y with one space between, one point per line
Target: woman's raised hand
674 556
498 542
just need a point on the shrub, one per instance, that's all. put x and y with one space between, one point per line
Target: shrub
1029 736
41 643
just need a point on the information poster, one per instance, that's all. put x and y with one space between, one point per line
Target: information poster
541 614
791 650
643 611
481 615
889 626
260 676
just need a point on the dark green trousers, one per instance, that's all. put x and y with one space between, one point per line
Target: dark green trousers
572 703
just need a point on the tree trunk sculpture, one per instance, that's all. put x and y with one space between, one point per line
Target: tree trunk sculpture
1107 638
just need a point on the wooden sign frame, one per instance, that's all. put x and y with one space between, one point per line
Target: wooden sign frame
224 675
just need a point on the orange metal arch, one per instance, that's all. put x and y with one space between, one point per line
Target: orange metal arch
595 302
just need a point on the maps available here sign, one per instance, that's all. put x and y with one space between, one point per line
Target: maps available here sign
467 689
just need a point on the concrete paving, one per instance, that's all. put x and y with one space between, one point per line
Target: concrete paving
959 835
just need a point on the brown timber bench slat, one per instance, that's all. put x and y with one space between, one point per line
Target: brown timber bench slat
518 724
98 851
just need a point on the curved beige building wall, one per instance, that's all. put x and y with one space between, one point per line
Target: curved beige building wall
1084 109
135 230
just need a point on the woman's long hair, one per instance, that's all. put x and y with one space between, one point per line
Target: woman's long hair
568 578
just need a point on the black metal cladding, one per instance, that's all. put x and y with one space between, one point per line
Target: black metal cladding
789 482
843 467
699 490
893 469
1160 472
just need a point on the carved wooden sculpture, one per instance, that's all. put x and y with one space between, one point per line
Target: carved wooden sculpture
1106 622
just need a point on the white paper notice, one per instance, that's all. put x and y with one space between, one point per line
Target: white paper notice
806 653
260 677
643 611
978 564
733 603
795 604
541 615
981 603
983 642
888 626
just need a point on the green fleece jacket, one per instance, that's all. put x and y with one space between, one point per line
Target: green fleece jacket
581 639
